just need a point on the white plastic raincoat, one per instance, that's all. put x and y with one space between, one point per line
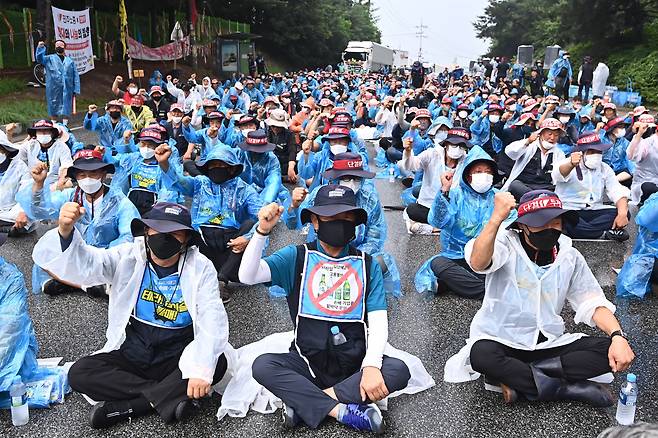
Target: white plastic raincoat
123 267
15 178
518 305
588 193
59 158
522 155
646 165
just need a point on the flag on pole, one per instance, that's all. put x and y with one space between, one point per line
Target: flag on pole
123 26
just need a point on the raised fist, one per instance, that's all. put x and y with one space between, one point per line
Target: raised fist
68 216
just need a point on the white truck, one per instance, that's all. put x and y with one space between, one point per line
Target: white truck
366 56
401 59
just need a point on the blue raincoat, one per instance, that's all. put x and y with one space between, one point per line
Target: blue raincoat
62 82
557 65
324 159
461 218
18 348
370 237
201 138
616 156
634 278
106 227
255 95
481 130
263 172
132 173
228 105
156 79
108 135
226 205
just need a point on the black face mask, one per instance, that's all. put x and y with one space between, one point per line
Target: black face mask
220 175
115 114
136 109
336 233
156 98
544 240
649 132
163 246
59 50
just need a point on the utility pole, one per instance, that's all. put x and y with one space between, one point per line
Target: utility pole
421 35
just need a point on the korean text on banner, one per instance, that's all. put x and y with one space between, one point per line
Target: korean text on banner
168 52
74 28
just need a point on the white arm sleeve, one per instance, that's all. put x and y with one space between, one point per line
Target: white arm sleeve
377 339
253 269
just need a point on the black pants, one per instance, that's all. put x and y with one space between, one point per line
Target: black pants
586 86
393 154
226 262
287 376
581 360
591 223
112 377
418 212
518 188
648 189
458 277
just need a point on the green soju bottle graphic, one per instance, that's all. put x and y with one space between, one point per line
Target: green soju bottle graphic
346 291
322 285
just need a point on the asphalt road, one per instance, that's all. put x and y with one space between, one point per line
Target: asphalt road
431 327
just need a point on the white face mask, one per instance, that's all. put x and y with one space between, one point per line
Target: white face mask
176 119
439 137
3 158
494 118
593 161
353 184
564 119
619 132
462 114
481 182
132 90
245 132
44 138
455 152
306 109
89 185
338 149
146 152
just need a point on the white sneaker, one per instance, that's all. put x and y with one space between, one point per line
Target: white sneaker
422 229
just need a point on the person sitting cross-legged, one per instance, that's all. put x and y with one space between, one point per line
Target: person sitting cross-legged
336 366
517 339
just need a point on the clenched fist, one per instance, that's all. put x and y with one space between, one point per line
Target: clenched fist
268 216
68 216
118 79
39 173
504 202
162 154
92 108
298 196
576 158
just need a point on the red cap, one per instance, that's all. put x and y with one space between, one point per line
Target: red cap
88 154
348 164
538 204
446 99
423 112
614 122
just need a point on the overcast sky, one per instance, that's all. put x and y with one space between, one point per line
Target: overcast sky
450 34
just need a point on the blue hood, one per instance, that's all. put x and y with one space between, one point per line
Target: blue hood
221 153
476 155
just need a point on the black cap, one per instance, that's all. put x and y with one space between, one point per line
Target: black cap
165 217
334 199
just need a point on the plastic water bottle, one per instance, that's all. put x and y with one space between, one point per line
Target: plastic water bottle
627 400
19 411
337 338
391 173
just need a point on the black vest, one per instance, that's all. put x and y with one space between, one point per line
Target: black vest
313 338
536 175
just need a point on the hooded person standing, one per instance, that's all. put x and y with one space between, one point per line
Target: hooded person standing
336 366
517 339
104 224
224 208
167 329
62 80
460 212
560 75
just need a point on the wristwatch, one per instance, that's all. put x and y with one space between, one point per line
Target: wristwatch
618 333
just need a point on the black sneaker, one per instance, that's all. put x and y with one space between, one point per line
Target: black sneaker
186 409
108 413
97 291
54 288
18 232
290 417
620 235
407 181
225 292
